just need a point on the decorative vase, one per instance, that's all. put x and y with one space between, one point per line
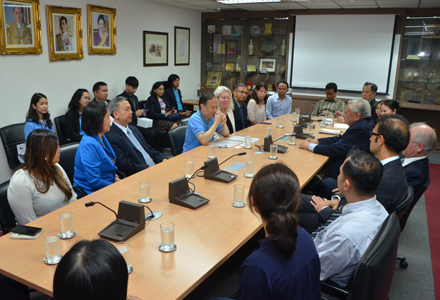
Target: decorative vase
268 30
283 48
251 47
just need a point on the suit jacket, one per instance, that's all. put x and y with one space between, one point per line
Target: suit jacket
169 93
129 159
154 111
134 103
417 173
337 147
72 126
373 104
237 117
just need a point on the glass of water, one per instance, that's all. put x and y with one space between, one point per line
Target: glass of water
273 151
66 223
52 245
238 196
189 168
144 189
167 237
293 117
298 112
124 249
247 142
211 151
249 171
280 123
309 128
268 131
292 140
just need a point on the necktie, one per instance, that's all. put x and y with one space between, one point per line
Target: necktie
139 147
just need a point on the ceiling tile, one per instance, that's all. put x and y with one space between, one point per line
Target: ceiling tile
398 3
253 7
320 5
430 3
284 5
356 3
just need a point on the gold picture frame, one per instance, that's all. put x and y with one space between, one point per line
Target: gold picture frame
213 80
101 18
20 39
64 33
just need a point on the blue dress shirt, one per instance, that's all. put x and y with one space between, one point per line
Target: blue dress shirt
276 107
30 126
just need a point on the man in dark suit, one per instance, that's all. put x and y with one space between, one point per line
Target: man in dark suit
172 92
133 154
100 91
416 162
240 110
369 91
388 138
357 116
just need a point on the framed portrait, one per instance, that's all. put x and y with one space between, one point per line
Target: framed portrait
213 80
64 33
155 49
268 64
20 28
181 46
101 22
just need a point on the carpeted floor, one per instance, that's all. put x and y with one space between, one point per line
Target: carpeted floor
432 208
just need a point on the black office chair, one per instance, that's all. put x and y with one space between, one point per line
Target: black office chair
374 273
60 123
177 139
7 217
67 159
401 208
12 135
417 197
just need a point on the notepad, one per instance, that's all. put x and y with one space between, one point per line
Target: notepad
235 167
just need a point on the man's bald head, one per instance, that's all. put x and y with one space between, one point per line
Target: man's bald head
423 140
395 131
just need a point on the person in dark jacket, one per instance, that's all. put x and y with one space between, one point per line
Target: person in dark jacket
73 116
174 95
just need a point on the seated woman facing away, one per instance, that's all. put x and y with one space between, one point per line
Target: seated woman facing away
41 185
95 160
286 266
164 116
91 270
73 116
38 116
257 105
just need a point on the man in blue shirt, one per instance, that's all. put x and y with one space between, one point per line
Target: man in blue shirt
279 104
203 124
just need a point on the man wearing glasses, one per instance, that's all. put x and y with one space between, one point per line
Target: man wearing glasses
240 110
279 103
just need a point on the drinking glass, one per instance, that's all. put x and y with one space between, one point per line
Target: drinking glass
310 128
247 142
273 151
268 131
211 151
280 123
52 245
189 168
292 140
124 249
66 223
144 188
249 170
167 237
238 196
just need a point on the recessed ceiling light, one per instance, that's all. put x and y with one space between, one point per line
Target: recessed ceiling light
246 1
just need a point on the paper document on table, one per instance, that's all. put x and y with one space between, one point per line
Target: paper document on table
241 139
227 144
341 125
235 167
329 131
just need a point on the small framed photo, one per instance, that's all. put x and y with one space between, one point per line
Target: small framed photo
181 46
101 22
20 28
155 48
251 68
214 79
64 33
268 64
230 67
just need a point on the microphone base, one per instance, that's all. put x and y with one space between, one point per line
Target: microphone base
221 176
150 217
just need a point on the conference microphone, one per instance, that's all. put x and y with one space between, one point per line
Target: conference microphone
93 203
213 171
238 154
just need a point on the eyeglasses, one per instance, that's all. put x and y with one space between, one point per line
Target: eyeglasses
374 133
242 92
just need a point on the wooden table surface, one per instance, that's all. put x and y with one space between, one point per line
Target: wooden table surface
205 237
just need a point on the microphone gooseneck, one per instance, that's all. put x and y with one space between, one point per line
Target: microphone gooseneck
238 154
93 203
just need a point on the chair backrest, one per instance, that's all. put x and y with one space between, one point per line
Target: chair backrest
375 271
177 139
417 197
67 159
12 135
60 124
401 208
7 217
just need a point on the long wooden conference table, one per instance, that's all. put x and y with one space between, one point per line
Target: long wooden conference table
205 237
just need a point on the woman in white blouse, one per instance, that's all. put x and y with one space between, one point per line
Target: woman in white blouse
41 185
257 105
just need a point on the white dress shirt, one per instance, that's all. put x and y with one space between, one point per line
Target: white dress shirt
341 245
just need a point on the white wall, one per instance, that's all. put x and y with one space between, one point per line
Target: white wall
23 75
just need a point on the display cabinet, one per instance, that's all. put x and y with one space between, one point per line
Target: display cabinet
419 72
243 51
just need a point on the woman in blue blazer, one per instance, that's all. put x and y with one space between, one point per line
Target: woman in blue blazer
95 161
